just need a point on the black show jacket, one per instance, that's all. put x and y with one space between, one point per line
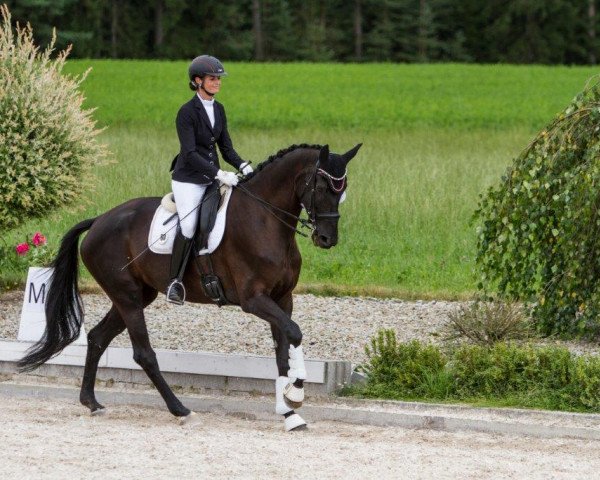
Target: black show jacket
197 161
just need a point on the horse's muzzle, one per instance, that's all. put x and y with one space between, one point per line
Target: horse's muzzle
323 241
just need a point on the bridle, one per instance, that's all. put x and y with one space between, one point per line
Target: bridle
337 185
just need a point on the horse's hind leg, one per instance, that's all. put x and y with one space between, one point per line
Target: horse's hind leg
99 338
145 357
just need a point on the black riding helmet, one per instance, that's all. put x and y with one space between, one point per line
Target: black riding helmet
202 66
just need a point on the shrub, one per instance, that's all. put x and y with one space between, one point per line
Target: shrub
538 232
488 322
402 367
505 369
47 141
504 373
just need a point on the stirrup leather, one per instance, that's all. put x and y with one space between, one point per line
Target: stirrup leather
172 293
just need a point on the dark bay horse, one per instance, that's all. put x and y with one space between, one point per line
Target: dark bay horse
258 262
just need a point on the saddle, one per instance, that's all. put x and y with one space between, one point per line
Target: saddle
207 216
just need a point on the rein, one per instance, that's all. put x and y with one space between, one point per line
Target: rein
336 185
269 207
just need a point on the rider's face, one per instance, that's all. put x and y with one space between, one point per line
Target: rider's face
212 84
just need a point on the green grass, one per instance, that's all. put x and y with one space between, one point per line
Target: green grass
369 97
434 137
405 225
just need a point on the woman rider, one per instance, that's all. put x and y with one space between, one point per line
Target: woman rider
201 123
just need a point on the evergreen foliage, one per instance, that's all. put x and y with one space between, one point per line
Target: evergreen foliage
47 141
514 31
539 229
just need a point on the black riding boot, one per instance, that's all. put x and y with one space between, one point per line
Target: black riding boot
182 247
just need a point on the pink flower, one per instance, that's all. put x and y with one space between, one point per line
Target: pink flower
22 248
38 239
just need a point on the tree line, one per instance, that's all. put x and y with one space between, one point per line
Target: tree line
512 31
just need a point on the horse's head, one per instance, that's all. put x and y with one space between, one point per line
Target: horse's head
324 190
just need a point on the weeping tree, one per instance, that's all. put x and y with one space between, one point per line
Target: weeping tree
48 142
539 228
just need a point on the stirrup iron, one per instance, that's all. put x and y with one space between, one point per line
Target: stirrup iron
173 295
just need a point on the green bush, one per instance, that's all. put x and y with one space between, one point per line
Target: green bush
47 141
404 368
586 377
538 233
501 374
505 369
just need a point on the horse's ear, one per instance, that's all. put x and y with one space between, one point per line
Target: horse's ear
324 154
349 155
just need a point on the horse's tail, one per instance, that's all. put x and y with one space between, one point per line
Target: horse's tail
64 309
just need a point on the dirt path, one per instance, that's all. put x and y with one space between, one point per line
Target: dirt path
58 439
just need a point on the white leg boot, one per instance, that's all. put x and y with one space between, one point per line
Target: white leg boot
292 420
297 371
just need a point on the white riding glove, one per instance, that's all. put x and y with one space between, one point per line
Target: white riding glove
246 169
227 178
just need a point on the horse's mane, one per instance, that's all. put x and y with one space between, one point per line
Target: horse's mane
277 156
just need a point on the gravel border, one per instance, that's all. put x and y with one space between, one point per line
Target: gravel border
336 328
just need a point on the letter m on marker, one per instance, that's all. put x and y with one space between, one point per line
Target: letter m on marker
37 295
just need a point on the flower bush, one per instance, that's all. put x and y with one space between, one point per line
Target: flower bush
32 252
48 143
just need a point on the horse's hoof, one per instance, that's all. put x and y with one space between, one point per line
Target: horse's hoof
295 423
99 412
190 419
293 396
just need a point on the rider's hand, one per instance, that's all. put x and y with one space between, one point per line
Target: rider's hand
245 168
227 178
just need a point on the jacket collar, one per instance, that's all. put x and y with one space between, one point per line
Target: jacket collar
204 115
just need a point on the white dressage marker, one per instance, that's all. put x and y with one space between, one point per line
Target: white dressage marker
33 316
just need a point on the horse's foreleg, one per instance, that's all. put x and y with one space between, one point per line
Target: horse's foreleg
98 339
289 387
292 420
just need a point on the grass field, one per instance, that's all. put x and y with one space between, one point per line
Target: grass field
434 137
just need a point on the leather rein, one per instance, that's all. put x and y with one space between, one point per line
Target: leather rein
337 185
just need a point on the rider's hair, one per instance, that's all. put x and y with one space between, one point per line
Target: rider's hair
193 85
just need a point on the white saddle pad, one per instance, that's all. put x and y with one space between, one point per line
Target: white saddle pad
162 236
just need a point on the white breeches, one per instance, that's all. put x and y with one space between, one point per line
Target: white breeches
187 198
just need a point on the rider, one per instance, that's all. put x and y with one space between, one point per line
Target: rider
201 123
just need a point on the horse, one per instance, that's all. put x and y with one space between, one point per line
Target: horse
258 263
